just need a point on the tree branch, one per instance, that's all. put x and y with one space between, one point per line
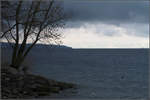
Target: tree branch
8 30
17 21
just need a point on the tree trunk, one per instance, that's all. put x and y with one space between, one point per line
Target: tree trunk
17 61
16 46
17 56
14 54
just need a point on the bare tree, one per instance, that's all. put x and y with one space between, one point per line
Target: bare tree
30 21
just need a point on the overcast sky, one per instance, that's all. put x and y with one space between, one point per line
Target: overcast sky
107 24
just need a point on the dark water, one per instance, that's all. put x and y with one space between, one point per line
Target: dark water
100 73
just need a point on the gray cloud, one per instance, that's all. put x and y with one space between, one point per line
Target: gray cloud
114 12
134 29
131 15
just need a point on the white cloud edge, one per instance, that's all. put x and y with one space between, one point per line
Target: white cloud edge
86 36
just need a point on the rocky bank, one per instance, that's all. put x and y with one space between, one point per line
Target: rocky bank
16 85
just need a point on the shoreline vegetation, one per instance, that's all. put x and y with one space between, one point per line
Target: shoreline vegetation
22 86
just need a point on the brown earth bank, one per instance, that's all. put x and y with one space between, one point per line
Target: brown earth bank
15 85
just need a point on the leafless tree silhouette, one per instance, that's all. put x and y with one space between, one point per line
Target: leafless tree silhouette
24 21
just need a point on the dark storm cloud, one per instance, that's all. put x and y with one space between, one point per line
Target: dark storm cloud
114 12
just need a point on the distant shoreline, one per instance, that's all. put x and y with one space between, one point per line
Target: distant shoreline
64 46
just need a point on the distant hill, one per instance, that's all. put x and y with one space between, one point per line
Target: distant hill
6 45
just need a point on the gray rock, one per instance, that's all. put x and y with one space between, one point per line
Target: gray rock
7 79
10 69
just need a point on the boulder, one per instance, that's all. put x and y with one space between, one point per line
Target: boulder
10 70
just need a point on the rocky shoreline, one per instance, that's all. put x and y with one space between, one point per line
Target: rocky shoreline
22 86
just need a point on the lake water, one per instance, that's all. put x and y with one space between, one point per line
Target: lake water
99 73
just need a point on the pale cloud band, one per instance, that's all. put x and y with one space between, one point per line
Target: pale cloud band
103 35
